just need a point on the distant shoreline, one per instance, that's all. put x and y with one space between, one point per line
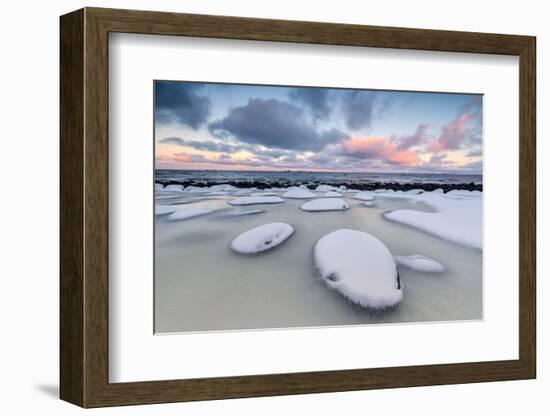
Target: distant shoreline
311 184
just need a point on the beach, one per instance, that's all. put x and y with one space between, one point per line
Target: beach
203 284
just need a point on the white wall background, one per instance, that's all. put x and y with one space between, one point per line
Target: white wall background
29 208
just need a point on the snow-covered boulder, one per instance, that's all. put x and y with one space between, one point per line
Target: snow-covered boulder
256 200
360 267
186 213
363 196
262 238
299 193
420 263
325 204
332 194
164 209
326 188
458 220
173 188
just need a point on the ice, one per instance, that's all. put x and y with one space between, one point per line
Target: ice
420 263
164 209
299 193
325 204
360 267
364 196
332 194
254 200
186 213
245 212
456 219
262 238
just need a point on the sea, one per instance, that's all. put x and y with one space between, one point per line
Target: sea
290 178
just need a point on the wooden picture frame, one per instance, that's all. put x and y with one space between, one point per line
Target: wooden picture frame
84 207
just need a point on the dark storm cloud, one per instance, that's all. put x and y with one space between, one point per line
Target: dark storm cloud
275 124
315 99
180 103
358 108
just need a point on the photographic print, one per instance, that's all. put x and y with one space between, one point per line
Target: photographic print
296 207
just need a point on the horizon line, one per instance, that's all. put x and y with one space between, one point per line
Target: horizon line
323 171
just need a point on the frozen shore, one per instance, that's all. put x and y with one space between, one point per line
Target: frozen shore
204 283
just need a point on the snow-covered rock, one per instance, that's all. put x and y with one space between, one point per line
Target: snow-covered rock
186 213
173 188
325 204
195 190
256 200
360 267
164 209
326 188
224 187
458 220
299 193
364 196
262 238
159 187
332 194
420 263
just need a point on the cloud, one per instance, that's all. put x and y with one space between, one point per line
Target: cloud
207 145
379 148
358 108
474 153
180 103
419 135
464 129
316 99
453 134
275 124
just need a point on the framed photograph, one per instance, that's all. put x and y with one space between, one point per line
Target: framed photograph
257 207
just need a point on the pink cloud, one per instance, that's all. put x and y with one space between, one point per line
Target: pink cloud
452 134
379 148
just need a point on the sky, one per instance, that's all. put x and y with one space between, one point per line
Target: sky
258 127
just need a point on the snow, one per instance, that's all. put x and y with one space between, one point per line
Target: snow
456 219
262 238
241 192
332 194
164 209
159 187
252 200
264 194
173 188
245 212
195 190
186 213
217 193
325 204
360 267
225 187
325 188
420 263
364 196
367 204
298 193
